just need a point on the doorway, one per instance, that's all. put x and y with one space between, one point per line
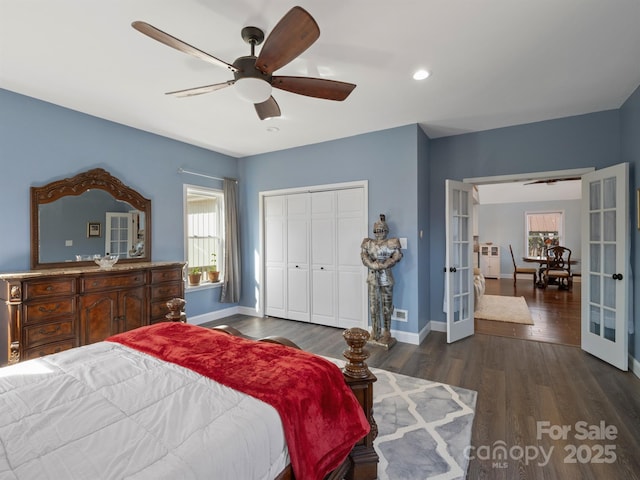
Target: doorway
556 313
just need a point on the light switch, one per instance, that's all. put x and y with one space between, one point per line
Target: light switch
68 243
403 243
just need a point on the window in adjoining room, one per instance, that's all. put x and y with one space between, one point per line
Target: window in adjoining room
204 228
543 230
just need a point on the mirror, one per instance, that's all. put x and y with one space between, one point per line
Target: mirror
92 214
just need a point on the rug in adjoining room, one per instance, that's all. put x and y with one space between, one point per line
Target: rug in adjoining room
423 427
504 309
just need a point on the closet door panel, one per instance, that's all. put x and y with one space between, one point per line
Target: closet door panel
275 292
350 302
323 310
298 294
323 241
275 255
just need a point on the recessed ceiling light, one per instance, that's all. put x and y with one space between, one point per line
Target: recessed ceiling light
421 75
273 129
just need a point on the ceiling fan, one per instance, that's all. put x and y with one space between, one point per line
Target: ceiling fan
551 181
253 76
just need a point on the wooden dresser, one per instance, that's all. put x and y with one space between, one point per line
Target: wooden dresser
50 310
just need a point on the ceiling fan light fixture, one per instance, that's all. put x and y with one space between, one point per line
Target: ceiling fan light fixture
421 74
254 90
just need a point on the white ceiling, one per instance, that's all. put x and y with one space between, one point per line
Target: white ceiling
494 63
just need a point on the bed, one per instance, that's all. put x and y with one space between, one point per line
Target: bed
174 400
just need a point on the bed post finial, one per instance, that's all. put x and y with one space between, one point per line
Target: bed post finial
356 354
175 306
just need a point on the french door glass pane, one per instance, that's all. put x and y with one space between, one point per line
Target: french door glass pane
594 320
464 202
594 226
594 284
594 196
595 257
609 324
609 185
609 227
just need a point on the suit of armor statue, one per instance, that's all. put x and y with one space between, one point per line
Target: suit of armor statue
379 254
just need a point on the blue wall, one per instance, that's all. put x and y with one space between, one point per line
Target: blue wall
583 141
387 160
40 142
630 135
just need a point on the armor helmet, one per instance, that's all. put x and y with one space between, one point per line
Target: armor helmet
380 228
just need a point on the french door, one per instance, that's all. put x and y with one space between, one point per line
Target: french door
458 267
605 270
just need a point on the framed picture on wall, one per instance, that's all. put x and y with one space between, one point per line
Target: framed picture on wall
94 229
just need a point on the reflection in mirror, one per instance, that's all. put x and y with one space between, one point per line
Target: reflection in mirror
91 214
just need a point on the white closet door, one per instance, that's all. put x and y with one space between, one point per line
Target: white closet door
351 230
275 255
298 257
323 258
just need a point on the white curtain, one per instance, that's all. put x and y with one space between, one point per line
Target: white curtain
232 266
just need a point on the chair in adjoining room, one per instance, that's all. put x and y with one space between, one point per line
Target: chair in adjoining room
558 267
527 270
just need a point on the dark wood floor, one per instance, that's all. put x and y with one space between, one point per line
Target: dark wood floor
519 383
556 313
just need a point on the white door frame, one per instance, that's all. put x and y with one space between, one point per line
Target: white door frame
259 261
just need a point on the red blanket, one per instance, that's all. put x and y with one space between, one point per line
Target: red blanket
321 417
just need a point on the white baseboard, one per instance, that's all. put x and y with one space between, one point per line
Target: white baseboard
411 338
211 316
635 366
438 326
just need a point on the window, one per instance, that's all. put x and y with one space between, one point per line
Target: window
544 230
204 228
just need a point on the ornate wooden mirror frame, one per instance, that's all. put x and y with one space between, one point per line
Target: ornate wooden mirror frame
75 186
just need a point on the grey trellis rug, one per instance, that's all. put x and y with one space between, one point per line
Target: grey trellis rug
424 427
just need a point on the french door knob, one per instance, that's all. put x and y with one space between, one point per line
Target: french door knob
453 269
617 276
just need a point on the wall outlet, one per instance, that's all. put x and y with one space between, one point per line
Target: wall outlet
68 243
400 315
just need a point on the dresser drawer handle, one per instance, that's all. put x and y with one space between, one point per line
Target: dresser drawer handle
49 310
49 288
95 283
42 331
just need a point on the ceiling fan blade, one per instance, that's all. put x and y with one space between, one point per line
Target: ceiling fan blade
267 109
293 34
173 42
314 87
551 181
189 92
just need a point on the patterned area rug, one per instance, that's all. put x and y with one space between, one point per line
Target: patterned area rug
423 427
504 309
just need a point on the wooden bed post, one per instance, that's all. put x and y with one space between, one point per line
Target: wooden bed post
363 457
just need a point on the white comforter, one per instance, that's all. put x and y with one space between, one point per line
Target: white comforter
105 411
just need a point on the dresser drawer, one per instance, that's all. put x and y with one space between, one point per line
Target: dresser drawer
49 287
168 291
166 275
106 281
48 332
39 311
48 349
